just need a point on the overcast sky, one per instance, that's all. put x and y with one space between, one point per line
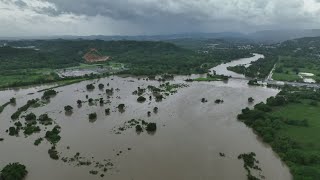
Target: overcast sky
146 17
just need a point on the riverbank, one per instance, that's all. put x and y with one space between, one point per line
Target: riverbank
290 124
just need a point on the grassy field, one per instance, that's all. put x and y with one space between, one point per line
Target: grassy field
308 138
26 77
288 69
290 76
46 75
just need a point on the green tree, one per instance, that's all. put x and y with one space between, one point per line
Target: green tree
14 171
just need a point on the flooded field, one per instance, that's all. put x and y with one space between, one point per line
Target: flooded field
187 144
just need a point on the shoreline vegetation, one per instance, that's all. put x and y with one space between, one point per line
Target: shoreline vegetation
289 122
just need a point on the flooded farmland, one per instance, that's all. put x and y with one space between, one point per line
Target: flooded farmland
188 142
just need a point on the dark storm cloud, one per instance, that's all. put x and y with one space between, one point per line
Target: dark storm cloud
157 16
253 12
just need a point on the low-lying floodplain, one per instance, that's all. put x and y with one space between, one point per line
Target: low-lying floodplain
136 128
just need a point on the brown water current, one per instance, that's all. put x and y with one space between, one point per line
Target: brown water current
189 137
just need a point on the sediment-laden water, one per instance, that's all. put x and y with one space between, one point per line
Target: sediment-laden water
189 137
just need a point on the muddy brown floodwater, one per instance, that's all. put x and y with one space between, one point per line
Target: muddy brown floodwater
186 145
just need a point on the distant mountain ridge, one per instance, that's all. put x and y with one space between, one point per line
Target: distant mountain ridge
266 36
274 36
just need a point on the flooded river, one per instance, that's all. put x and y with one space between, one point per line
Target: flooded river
222 69
189 137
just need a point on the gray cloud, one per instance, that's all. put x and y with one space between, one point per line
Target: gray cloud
158 16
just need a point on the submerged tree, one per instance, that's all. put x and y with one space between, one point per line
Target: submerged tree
151 127
79 102
101 86
30 117
203 100
141 99
68 108
158 96
139 128
13 100
121 107
219 101
14 171
92 116
49 93
101 101
90 87
109 91
155 109
250 100
107 111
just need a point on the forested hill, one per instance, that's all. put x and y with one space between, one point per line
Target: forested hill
301 47
141 57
